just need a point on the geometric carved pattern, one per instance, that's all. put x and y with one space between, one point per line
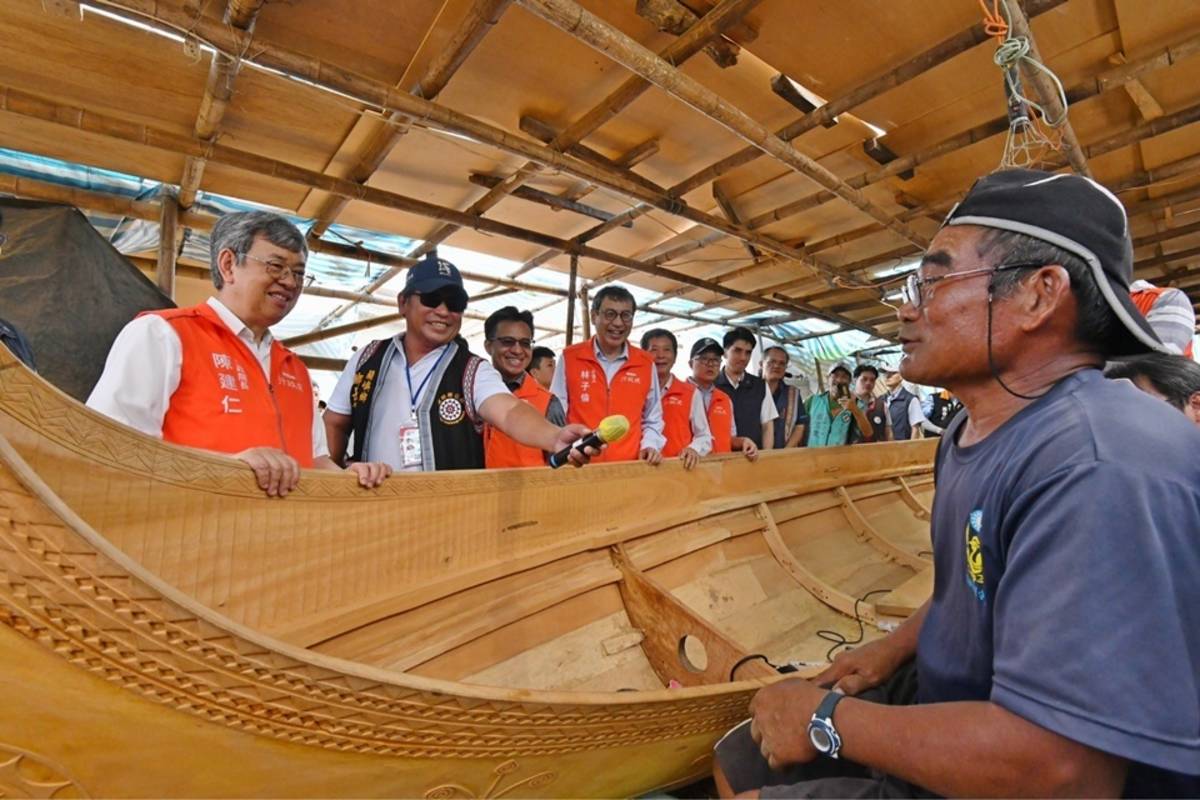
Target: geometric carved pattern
75 601
454 791
25 774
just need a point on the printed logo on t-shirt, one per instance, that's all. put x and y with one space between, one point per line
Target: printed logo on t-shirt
975 554
450 408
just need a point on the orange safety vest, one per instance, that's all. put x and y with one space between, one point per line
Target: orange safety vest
720 421
500 449
224 402
677 416
590 398
1145 299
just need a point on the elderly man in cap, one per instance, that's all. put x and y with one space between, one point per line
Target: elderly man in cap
1060 652
212 376
718 405
419 401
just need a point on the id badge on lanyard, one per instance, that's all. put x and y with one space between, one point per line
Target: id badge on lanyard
410 444
410 432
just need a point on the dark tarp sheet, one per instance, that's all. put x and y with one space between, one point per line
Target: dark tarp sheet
68 290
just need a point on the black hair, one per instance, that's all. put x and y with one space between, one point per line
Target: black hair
739 334
538 354
659 333
861 368
840 368
1176 378
506 314
613 292
1098 324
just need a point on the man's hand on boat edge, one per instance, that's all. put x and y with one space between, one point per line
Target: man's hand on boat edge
278 473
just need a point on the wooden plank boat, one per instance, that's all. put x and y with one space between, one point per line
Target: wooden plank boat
169 631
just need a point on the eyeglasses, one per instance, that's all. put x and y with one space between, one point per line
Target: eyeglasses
912 289
709 362
610 315
455 302
278 269
508 342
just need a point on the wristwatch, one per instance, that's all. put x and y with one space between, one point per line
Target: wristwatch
821 731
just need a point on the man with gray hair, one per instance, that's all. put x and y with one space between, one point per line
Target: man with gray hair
212 376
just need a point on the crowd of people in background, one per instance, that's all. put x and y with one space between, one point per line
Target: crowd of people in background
213 377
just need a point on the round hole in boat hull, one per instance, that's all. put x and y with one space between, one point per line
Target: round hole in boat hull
692 654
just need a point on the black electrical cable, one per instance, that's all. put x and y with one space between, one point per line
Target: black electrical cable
749 658
838 639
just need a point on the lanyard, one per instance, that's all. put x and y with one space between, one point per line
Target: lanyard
414 396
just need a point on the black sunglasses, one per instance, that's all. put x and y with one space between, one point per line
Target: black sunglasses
456 302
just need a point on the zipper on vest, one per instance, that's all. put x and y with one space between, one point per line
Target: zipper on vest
278 417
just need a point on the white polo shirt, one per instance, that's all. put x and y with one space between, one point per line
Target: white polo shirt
393 405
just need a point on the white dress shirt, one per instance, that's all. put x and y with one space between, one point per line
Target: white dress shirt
144 365
393 405
652 420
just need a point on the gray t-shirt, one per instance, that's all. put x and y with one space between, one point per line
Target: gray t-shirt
1067 589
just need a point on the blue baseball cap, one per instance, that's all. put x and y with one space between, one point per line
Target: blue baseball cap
431 274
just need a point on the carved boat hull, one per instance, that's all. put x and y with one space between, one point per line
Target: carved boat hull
168 631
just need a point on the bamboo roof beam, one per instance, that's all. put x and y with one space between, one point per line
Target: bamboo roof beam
374 322
687 45
936 55
998 125
377 94
1146 130
545 198
1046 90
479 19
614 44
138 209
101 202
23 104
218 91
889 79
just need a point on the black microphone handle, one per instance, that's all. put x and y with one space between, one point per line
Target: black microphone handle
591 440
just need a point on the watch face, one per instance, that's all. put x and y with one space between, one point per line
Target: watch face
820 739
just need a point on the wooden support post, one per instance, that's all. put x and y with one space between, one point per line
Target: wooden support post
168 242
586 316
571 299
1046 90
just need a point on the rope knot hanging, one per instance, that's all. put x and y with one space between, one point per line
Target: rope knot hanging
1032 134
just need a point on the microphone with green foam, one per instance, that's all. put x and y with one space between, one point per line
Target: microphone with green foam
611 429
